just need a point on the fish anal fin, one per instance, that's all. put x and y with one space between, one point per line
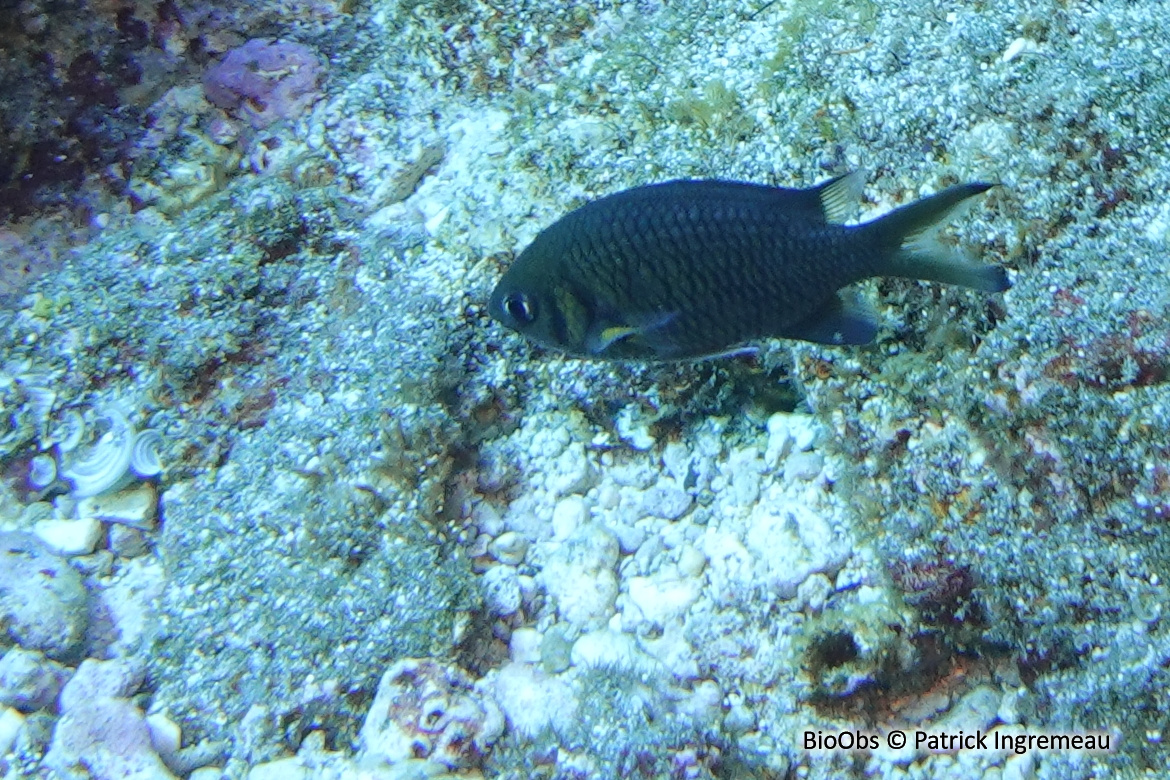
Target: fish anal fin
838 322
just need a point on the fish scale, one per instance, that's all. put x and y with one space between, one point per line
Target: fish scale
691 269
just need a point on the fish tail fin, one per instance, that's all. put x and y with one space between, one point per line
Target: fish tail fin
915 253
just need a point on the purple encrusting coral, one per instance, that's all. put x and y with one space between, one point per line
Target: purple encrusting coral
265 81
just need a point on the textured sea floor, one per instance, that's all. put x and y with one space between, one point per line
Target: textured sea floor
391 540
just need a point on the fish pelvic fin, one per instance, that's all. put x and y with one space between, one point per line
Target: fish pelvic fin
915 253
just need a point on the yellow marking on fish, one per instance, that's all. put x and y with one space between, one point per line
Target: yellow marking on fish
575 317
610 335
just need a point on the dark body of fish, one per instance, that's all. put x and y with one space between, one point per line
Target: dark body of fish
692 269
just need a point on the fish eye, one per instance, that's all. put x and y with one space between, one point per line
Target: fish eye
520 308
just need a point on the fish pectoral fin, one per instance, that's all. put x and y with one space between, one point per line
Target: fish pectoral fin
840 321
608 336
604 335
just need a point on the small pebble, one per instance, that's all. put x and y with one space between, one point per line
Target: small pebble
555 650
630 537
609 648
479 546
584 597
803 466
814 592
592 546
644 558
1019 767
1012 705
804 431
569 514
206 773
509 547
691 561
661 601
571 472
528 588
94 679
136 506
674 536
487 519
525 645
677 459
745 486
779 439
127 542
705 702
636 434
666 501
280 769
28 680
165 734
99 563
533 703
639 474
608 496
43 601
11 723
1017 47
976 710
501 590
112 737
739 720
70 537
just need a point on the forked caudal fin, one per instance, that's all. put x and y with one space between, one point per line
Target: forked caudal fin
910 232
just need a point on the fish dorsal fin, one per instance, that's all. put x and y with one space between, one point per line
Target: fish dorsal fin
839 197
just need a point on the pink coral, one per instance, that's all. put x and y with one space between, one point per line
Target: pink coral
110 738
265 81
102 731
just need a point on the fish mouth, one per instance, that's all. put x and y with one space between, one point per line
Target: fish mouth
494 306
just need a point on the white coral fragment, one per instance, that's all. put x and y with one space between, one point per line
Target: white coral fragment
72 430
111 459
144 459
42 471
1017 47
106 462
